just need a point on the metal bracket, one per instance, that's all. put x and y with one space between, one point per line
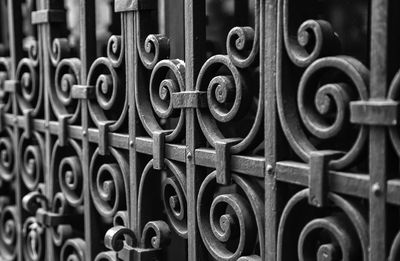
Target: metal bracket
11 86
159 148
134 5
223 160
82 92
189 99
28 123
62 129
375 112
318 179
31 204
48 16
103 137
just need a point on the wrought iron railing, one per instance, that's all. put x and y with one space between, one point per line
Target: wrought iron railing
247 130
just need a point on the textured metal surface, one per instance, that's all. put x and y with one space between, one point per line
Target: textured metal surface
267 130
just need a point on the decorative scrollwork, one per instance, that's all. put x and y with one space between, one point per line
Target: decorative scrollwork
4 75
61 233
168 77
231 223
156 234
59 50
31 153
114 239
242 43
341 234
8 233
313 38
116 50
109 181
66 162
7 161
325 91
111 95
231 100
67 74
73 249
34 243
30 92
172 193
152 48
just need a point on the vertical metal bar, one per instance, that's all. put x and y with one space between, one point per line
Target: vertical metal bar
15 38
268 51
44 31
132 61
87 56
377 140
194 56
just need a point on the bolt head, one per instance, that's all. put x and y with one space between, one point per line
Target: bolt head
270 169
376 189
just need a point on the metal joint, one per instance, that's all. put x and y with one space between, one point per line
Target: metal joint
159 148
189 99
82 92
134 5
223 159
381 113
48 16
103 137
318 180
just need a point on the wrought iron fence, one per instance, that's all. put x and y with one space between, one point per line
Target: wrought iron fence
267 130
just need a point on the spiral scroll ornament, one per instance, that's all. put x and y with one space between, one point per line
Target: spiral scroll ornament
242 43
8 233
115 50
58 50
231 219
31 159
156 234
173 195
232 99
310 40
73 249
155 105
62 232
34 243
30 91
7 161
111 103
339 232
67 75
4 76
152 48
66 163
109 181
325 90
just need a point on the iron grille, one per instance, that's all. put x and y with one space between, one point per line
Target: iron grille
268 132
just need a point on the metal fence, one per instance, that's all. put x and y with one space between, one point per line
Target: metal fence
200 130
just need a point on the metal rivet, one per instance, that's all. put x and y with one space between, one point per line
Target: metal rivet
46 125
131 143
376 189
84 133
189 155
270 169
